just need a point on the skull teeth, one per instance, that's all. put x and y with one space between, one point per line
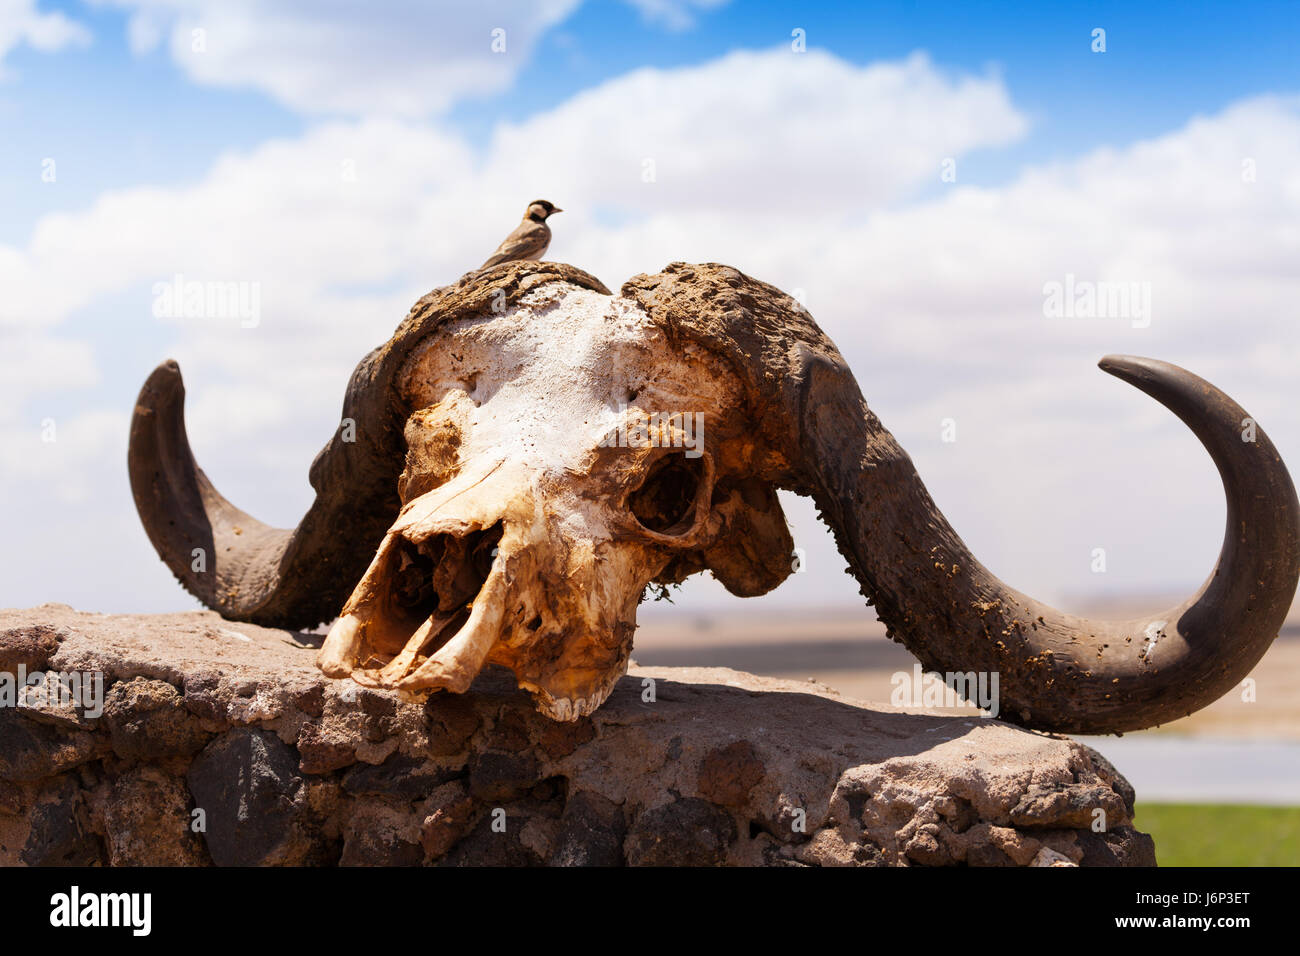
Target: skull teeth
454 666
378 641
424 635
339 651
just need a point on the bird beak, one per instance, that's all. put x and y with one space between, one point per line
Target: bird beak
555 210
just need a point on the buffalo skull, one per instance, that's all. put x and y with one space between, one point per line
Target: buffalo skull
528 453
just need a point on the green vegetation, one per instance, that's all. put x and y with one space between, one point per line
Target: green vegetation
1222 835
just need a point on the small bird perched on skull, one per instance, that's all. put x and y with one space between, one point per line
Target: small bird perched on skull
530 238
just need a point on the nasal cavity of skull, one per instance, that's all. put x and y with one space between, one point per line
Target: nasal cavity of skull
441 575
665 501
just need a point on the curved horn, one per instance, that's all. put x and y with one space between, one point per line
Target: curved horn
249 571
236 565
1056 672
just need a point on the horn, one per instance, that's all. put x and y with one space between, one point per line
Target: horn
1056 672
249 571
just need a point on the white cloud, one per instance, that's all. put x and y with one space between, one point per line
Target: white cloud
409 58
771 136
63 453
22 23
33 364
674 14
798 169
745 139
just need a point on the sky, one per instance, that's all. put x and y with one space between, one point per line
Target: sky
919 174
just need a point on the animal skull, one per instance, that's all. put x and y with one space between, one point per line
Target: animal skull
560 458
499 492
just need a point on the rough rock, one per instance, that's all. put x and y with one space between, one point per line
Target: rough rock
147 719
147 821
220 743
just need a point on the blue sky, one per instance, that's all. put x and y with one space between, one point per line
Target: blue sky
818 173
131 119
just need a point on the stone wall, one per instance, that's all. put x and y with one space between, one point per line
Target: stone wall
219 743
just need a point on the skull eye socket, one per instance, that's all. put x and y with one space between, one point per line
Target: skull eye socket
665 501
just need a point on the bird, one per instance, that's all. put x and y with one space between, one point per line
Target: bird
530 238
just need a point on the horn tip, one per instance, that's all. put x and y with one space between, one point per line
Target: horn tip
168 367
1115 363
1131 368
165 379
